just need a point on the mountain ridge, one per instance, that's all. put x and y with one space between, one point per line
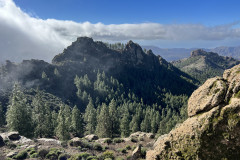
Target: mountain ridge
86 56
203 65
173 54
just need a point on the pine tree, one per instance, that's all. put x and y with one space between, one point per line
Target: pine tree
77 123
19 114
125 131
2 116
114 120
62 130
155 121
42 117
103 122
54 120
146 123
134 124
90 118
49 125
68 116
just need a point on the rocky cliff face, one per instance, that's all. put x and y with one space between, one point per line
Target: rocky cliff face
212 130
91 52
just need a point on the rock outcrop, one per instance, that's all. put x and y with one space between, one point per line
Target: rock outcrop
75 142
212 130
91 137
137 153
209 95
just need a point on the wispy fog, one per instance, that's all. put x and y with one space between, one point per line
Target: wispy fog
26 37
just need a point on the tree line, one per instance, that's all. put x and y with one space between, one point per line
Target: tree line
38 119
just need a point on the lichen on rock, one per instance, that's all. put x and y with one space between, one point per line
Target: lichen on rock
212 131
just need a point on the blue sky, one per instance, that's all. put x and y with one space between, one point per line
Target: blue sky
207 12
43 28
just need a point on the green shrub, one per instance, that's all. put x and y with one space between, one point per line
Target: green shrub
64 144
237 95
108 154
80 156
42 153
128 147
108 141
118 140
53 154
86 144
34 155
92 158
105 148
133 139
18 147
63 156
123 150
84 155
97 147
21 155
84 149
11 145
32 151
119 158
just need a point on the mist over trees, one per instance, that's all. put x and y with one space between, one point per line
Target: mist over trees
93 88
33 117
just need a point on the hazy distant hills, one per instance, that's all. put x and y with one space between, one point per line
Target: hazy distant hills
228 51
203 65
172 54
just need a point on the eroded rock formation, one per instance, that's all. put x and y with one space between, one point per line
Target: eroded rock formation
212 130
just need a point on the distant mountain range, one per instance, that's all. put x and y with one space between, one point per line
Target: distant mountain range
172 54
203 65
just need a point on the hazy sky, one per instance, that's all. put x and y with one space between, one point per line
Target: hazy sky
43 28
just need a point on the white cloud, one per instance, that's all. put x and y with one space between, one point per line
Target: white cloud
25 37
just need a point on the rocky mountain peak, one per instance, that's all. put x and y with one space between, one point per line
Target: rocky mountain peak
84 40
201 52
213 125
150 52
198 52
133 48
82 48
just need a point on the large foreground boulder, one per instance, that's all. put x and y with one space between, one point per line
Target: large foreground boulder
209 95
212 131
